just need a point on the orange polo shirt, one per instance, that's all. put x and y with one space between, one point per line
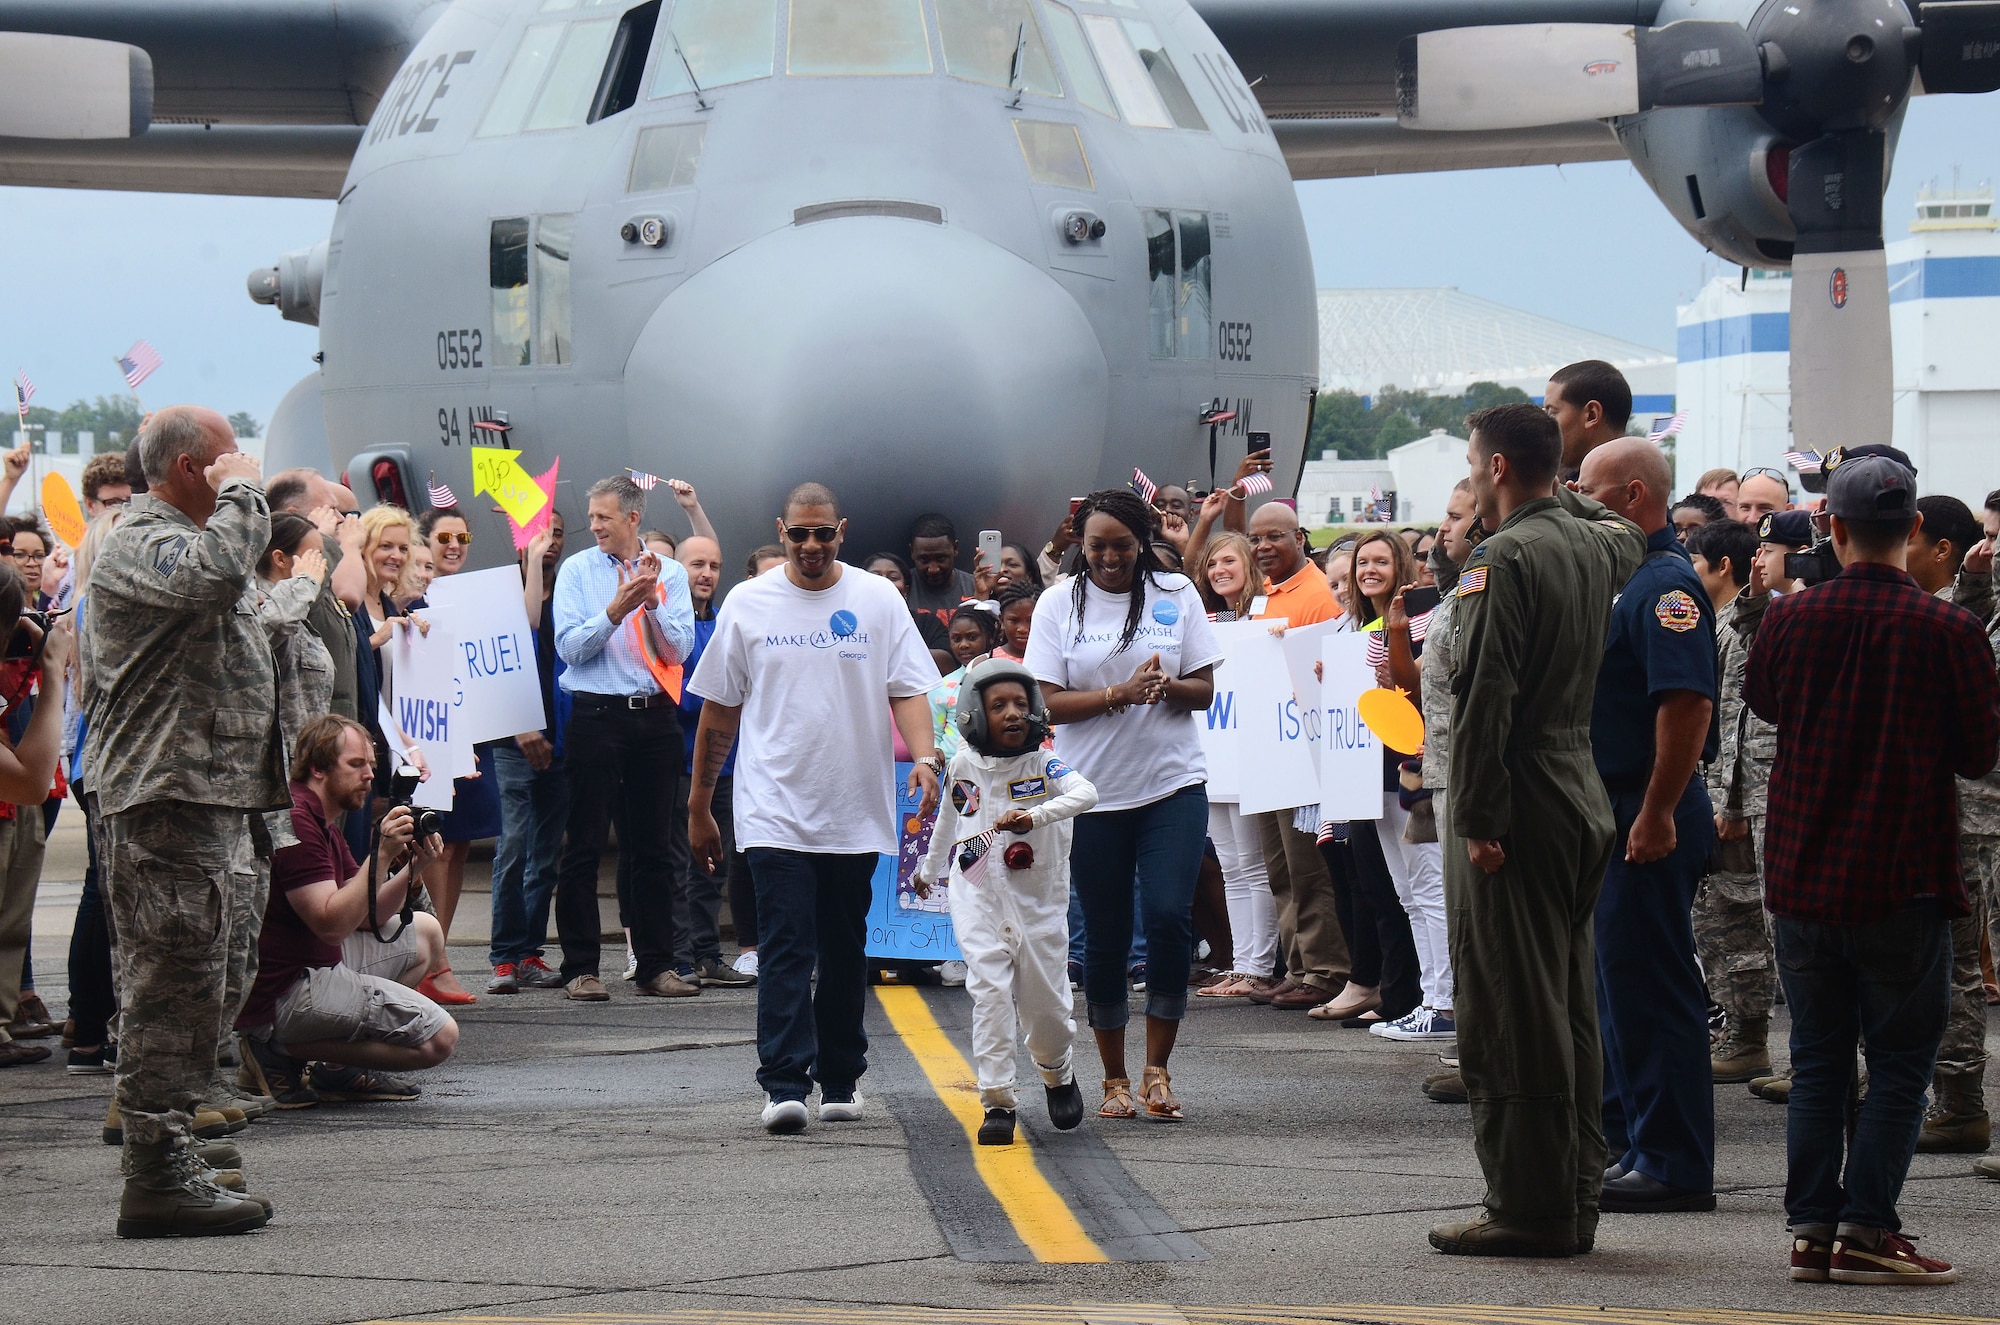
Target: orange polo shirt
1303 600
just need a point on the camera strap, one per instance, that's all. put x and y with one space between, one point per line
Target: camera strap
374 875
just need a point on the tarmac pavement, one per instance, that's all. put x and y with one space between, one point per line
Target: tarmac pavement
604 1162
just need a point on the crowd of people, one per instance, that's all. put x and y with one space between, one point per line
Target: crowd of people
1681 758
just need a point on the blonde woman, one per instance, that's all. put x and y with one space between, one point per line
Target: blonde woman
1232 587
1383 568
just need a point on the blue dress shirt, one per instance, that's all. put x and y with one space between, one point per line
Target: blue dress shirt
600 654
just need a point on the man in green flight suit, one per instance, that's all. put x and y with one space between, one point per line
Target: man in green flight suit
1528 631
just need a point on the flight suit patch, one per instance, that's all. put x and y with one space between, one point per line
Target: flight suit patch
1028 789
965 797
1677 611
1473 581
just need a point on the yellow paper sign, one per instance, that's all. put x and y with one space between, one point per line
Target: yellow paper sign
1394 720
497 472
59 507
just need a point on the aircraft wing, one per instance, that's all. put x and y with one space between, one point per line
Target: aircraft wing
248 96
1325 73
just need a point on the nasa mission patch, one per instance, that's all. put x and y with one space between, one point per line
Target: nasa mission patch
1677 611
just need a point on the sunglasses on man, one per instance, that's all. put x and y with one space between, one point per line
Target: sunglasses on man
819 533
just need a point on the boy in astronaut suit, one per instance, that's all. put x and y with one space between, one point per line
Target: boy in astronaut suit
1006 834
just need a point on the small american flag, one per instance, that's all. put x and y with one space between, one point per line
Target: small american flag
442 497
1252 484
1378 640
1806 462
1671 428
1378 505
24 391
139 363
1145 487
647 482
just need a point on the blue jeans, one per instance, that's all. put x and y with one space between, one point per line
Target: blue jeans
812 909
1885 985
1160 845
533 809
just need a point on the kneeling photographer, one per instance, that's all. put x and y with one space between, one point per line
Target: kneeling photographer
336 977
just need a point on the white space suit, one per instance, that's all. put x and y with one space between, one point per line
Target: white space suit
1012 924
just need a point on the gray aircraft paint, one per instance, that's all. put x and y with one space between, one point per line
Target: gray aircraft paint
977 363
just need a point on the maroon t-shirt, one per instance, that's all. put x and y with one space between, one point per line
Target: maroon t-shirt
287 946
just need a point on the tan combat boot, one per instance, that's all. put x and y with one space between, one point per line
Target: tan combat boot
168 1195
208 1124
1957 1123
1744 1054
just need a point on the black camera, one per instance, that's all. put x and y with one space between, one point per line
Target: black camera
25 644
403 790
1816 565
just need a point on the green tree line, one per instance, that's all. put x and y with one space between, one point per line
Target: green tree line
1369 427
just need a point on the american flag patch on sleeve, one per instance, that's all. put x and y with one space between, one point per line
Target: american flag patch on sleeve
1473 581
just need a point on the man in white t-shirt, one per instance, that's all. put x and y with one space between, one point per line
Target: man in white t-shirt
811 666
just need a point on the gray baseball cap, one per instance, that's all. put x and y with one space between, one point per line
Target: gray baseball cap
1871 487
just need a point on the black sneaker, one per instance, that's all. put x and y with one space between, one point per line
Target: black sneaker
269 1070
998 1129
360 1085
94 1062
718 974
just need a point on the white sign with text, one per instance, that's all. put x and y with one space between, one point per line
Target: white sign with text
423 702
1221 727
496 662
1275 734
1350 765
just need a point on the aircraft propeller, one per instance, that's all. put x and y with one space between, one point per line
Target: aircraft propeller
1827 75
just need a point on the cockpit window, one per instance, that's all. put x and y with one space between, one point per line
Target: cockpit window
1138 99
1160 284
1165 77
573 75
1077 60
1191 300
507 274
522 80
666 157
724 41
552 302
1054 153
980 37
858 37
552 79
1178 303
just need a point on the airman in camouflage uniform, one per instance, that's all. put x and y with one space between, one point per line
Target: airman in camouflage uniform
183 747
1957 1122
1732 934
305 682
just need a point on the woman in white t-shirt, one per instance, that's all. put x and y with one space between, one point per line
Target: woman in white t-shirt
1126 660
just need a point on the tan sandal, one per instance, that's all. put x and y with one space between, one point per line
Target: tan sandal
1156 1089
1118 1099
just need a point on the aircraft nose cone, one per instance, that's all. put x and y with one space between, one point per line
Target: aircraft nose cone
911 367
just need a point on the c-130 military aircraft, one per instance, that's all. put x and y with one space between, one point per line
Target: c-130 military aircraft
965 255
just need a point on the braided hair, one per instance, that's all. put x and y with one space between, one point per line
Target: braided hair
1124 506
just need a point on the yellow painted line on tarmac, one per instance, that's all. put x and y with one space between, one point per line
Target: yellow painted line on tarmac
1041 1218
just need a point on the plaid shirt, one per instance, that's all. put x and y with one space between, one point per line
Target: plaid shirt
1881 694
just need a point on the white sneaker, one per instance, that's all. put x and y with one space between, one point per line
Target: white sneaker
952 973
631 964
840 1111
1421 1024
784 1117
746 962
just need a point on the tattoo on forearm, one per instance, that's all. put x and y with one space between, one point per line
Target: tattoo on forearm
711 753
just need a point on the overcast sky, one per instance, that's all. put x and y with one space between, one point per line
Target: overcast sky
83 275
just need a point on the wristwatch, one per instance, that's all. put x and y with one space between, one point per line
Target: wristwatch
935 763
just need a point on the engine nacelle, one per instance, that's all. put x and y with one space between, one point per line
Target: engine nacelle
1721 173
293 285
